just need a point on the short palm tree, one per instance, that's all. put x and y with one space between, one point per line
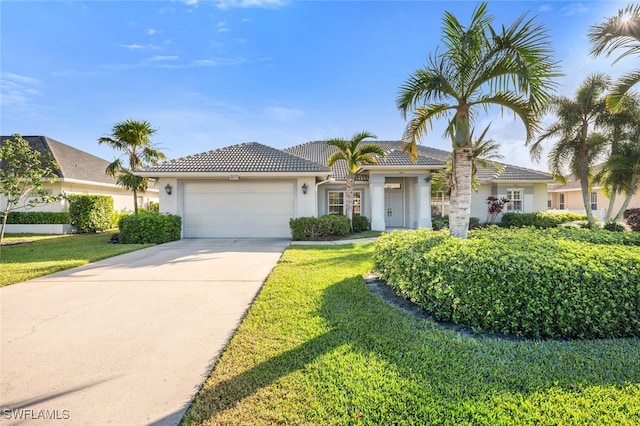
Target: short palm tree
619 32
354 153
133 139
578 145
510 67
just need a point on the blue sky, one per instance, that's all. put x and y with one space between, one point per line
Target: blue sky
208 74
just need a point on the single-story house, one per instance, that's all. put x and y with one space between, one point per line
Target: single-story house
251 189
568 197
81 173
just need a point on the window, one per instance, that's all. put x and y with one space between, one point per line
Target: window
515 195
439 204
337 199
594 201
561 206
549 204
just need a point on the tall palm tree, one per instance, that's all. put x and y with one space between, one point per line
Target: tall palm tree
619 32
510 67
578 145
133 139
354 153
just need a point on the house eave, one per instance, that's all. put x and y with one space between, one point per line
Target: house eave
230 175
519 182
409 168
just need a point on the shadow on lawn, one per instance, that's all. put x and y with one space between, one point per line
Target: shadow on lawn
443 364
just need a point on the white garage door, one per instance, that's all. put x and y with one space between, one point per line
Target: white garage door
237 209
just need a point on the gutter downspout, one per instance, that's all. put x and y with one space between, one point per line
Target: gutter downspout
316 198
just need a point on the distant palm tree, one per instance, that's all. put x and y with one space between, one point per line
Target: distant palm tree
132 138
354 153
485 153
578 145
619 32
509 66
619 173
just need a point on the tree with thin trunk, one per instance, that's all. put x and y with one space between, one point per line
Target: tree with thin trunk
481 66
23 173
619 174
133 139
354 153
578 145
618 33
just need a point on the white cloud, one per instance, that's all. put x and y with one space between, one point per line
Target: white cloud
152 31
283 114
222 27
574 9
230 4
18 91
163 58
132 46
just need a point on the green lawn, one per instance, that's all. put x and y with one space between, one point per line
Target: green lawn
318 348
40 255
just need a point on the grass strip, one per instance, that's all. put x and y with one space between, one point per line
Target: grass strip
39 255
318 348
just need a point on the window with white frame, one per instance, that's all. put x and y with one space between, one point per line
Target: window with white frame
561 203
439 204
516 197
594 201
337 202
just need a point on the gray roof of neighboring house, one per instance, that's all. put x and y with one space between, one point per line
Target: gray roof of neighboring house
250 157
74 163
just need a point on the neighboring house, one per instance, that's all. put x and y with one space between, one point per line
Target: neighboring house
83 173
253 190
568 197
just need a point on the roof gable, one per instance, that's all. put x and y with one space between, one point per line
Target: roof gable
249 157
74 163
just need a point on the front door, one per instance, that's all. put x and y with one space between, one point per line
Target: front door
393 208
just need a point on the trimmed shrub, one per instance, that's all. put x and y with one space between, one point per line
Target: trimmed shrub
90 213
540 220
149 228
438 223
632 217
360 223
37 218
319 228
115 218
614 227
522 282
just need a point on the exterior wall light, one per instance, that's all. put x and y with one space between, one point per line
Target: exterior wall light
169 189
304 188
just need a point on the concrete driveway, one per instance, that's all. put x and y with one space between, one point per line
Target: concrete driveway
127 340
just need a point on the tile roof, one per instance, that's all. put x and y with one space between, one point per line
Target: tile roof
74 163
319 151
573 182
250 157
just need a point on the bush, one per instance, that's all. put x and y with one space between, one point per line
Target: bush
318 228
90 213
632 217
149 228
614 227
438 223
154 207
360 223
522 282
39 218
115 218
539 220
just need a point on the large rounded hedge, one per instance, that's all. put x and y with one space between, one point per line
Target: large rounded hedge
524 282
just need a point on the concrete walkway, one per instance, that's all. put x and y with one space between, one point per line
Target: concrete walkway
127 340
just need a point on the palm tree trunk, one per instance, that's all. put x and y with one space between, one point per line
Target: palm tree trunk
460 209
627 199
135 202
5 216
612 201
584 184
349 200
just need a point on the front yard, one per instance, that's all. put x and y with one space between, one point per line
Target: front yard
317 347
25 257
